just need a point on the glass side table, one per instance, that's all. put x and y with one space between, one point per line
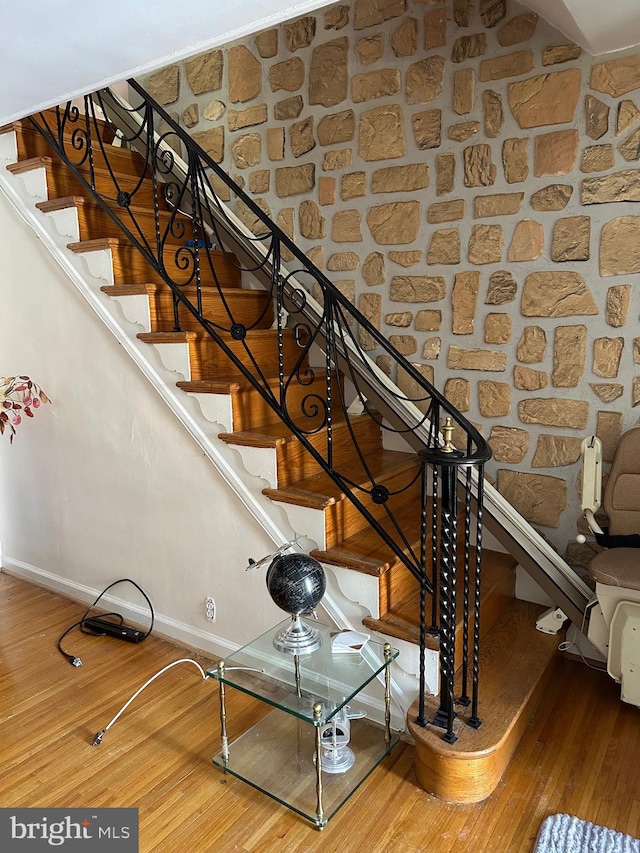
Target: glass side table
309 753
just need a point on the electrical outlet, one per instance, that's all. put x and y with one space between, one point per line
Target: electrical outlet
210 609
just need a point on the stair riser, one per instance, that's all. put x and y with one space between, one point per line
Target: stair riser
61 182
249 307
209 361
251 410
94 223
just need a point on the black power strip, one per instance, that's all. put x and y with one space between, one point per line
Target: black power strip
113 629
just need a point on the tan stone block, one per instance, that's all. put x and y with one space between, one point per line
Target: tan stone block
492 12
287 75
382 133
417 288
464 82
616 77
527 379
569 353
469 47
405 344
515 160
316 256
502 288
571 239
607 353
509 65
326 190
312 222
300 33
267 43
555 451
532 345
446 211
435 28
458 393
337 128
346 227
375 84
485 244
428 321
555 153
295 180
596 114
396 223
527 242
463 131
247 118
462 12
259 181
427 128
329 73
246 150
546 99
368 13
245 75
423 80
636 350
164 85
400 320
607 391
333 160
445 173
635 391
620 246
509 444
414 390
628 115
373 270
553 197
556 294
288 108
404 40
406 259
431 348
554 411
275 143
394 179
464 299
494 398
384 363
609 430
301 137
558 53
211 141
336 17
250 219
204 72
618 304
618 186
220 188
369 50
190 115
214 111
497 329
630 147
476 359
343 261
479 169
499 204
354 185
444 247
493 113
369 304
597 158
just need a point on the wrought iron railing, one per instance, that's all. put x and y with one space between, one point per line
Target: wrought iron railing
326 365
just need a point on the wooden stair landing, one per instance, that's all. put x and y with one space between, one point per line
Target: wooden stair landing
516 664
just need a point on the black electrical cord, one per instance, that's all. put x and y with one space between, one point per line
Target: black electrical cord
76 661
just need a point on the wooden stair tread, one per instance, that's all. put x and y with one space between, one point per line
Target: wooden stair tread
166 337
320 490
516 662
150 288
272 435
65 202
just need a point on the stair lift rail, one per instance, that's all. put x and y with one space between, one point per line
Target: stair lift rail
328 362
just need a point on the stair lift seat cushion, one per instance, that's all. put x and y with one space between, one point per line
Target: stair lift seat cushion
617 567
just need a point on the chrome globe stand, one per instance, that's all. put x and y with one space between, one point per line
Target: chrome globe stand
297 638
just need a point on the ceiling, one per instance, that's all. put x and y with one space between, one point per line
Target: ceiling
56 50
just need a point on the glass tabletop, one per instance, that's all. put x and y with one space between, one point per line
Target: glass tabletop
324 676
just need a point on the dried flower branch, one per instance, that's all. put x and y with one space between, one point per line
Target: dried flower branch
19 396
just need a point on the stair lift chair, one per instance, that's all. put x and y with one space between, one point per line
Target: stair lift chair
614 624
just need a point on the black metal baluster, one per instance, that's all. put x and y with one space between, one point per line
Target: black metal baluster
421 719
464 698
475 720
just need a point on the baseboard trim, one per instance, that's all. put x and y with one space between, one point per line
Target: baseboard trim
165 627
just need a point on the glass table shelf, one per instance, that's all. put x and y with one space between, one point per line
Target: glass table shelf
295 753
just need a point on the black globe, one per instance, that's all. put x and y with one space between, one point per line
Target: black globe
296 583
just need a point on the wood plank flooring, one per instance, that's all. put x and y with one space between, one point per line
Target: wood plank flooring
579 755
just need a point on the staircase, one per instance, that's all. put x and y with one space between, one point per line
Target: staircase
338 463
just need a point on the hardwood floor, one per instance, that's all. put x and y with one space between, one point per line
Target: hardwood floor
579 755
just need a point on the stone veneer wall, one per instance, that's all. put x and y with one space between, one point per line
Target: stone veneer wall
470 180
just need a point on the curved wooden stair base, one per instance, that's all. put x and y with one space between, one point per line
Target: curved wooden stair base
516 664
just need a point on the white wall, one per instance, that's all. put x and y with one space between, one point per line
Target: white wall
105 483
